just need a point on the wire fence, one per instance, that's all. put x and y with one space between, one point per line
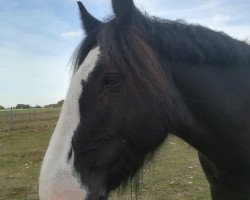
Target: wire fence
11 118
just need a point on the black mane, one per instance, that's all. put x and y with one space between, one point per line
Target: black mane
195 44
179 42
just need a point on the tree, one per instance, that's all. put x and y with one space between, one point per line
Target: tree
22 106
37 106
50 106
1 107
60 103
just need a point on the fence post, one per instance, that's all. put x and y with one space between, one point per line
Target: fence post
29 114
11 119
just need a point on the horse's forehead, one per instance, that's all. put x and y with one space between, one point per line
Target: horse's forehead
88 64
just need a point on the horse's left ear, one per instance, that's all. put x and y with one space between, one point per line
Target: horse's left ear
88 21
124 10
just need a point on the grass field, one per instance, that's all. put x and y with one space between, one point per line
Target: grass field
173 174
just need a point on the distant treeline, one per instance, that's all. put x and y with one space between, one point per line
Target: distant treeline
26 106
58 104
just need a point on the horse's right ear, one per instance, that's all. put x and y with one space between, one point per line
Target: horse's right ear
88 21
124 11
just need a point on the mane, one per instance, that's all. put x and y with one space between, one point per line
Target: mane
128 50
179 42
195 44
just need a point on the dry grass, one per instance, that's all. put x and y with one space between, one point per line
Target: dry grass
173 174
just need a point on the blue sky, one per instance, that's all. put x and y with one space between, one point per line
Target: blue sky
37 38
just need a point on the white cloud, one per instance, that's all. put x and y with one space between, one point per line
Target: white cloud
221 19
71 34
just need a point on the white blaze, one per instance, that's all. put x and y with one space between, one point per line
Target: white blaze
58 180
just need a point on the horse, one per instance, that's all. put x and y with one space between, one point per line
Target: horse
136 79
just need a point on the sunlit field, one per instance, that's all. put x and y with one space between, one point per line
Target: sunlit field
174 173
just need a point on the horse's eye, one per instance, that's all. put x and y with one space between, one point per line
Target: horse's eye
113 80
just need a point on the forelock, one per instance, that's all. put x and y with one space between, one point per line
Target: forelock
129 50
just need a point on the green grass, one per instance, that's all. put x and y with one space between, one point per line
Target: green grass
173 174
39 110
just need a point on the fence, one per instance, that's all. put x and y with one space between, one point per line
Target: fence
9 118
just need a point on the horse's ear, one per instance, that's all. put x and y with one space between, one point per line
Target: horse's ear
124 10
88 21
